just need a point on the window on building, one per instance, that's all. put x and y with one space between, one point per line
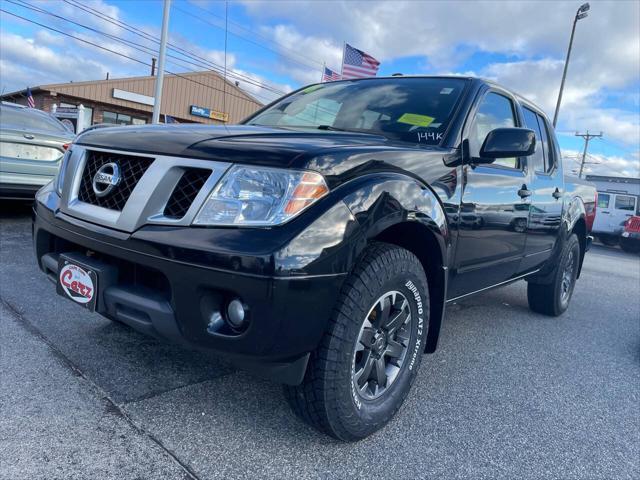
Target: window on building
88 110
121 119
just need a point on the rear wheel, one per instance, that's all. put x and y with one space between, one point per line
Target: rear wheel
369 357
553 298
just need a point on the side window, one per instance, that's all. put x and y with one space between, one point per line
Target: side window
495 111
603 200
625 202
548 145
536 161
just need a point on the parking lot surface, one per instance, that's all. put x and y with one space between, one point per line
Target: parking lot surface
509 393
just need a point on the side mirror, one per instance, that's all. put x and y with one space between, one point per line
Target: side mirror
507 143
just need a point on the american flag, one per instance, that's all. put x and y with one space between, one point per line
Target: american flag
30 101
358 64
329 75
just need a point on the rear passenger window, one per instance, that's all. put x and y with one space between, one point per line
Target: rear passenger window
495 111
549 156
535 161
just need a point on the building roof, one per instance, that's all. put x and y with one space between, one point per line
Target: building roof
605 178
205 89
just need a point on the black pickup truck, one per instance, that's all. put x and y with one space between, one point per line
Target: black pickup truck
318 242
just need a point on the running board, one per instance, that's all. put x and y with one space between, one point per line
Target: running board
506 282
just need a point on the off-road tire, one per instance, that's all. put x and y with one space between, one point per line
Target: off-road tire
327 399
550 298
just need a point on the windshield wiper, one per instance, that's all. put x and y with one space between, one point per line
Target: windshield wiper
332 128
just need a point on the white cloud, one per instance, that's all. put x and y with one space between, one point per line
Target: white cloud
304 68
598 164
24 60
605 59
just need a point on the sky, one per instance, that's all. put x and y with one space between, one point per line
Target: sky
275 46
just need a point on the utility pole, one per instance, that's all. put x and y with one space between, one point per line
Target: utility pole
582 12
163 49
587 136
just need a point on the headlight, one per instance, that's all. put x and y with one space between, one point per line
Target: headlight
61 171
256 196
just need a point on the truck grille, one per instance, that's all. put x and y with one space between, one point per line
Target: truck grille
131 168
185 192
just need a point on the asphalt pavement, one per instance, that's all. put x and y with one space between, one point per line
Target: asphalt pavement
509 393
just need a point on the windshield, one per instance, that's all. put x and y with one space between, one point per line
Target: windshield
30 120
410 109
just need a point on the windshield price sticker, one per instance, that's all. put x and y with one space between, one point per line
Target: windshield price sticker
415 119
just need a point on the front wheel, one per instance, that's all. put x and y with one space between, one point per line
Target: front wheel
553 298
362 372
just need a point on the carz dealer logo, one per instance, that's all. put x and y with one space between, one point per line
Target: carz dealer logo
76 283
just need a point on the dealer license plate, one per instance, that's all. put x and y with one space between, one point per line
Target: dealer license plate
78 283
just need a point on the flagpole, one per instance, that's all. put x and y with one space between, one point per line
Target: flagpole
324 65
344 48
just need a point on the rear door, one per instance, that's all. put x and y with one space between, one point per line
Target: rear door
547 183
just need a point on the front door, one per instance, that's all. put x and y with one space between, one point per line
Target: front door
493 215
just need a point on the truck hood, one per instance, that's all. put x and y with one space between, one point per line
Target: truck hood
237 142
337 155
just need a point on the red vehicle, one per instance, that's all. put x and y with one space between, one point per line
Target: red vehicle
630 238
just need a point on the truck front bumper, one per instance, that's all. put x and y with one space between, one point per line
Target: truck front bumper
182 295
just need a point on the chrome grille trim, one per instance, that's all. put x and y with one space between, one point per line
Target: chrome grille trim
147 202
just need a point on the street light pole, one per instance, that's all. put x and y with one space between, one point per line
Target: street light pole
580 14
157 102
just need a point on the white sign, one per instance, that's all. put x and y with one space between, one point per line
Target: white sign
133 97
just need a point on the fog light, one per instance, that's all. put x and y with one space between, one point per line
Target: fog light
236 313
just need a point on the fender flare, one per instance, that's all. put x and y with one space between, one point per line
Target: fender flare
384 200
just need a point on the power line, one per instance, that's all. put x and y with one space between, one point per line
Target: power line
134 45
290 58
138 46
120 54
257 34
208 65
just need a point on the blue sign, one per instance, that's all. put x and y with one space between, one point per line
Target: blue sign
209 113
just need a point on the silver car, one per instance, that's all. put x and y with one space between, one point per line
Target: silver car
32 143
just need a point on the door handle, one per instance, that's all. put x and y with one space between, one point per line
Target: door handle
557 194
524 192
